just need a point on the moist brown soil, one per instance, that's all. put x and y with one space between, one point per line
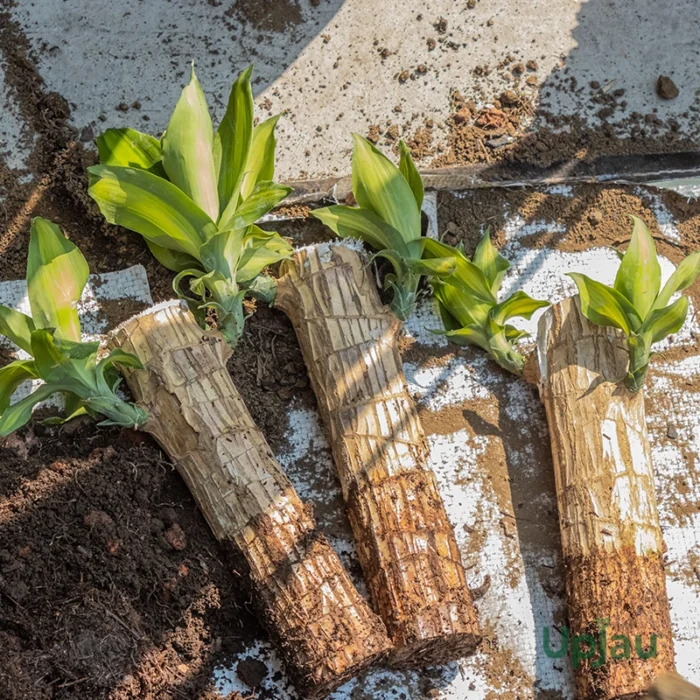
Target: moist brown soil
97 596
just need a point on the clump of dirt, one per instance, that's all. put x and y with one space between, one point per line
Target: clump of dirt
274 16
509 129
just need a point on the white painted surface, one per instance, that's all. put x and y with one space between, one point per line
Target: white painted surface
327 73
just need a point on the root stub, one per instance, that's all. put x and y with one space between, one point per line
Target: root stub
404 541
324 629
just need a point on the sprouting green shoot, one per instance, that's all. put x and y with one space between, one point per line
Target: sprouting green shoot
195 196
387 218
56 275
636 303
467 292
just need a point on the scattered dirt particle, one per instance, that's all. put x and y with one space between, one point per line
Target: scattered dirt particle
441 26
532 65
595 217
666 88
175 537
509 98
518 69
471 4
431 43
404 76
251 671
97 518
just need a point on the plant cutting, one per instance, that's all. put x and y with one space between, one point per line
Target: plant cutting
467 293
405 542
195 195
636 304
611 539
58 356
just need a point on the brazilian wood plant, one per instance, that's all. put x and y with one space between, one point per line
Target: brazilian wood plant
51 338
593 354
349 342
196 195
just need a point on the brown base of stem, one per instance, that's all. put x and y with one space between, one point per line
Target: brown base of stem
413 568
321 625
629 592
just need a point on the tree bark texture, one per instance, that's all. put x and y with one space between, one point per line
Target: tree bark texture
405 543
325 630
611 539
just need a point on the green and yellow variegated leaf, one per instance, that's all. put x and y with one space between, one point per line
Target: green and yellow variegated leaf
470 277
150 206
490 262
379 186
16 327
260 165
432 267
56 275
663 322
174 260
11 376
410 172
683 276
130 149
260 249
187 144
222 252
265 197
468 335
518 304
606 306
353 222
232 142
639 276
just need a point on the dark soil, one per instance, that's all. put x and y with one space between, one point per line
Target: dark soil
97 599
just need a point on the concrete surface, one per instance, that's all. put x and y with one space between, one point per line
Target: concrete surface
325 69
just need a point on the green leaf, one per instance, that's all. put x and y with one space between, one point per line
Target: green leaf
605 306
260 249
639 276
432 267
398 262
490 262
469 335
47 354
264 197
16 327
222 252
172 259
150 206
130 148
379 186
187 149
514 334
56 275
461 307
353 222
260 165
11 376
683 276
233 141
410 172
467 275
663 322
16 415
518 304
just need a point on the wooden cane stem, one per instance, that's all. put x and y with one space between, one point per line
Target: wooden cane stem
404 540
609 523
325 630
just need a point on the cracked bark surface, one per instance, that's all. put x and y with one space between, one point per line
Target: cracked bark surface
325 630
611 539
404 540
